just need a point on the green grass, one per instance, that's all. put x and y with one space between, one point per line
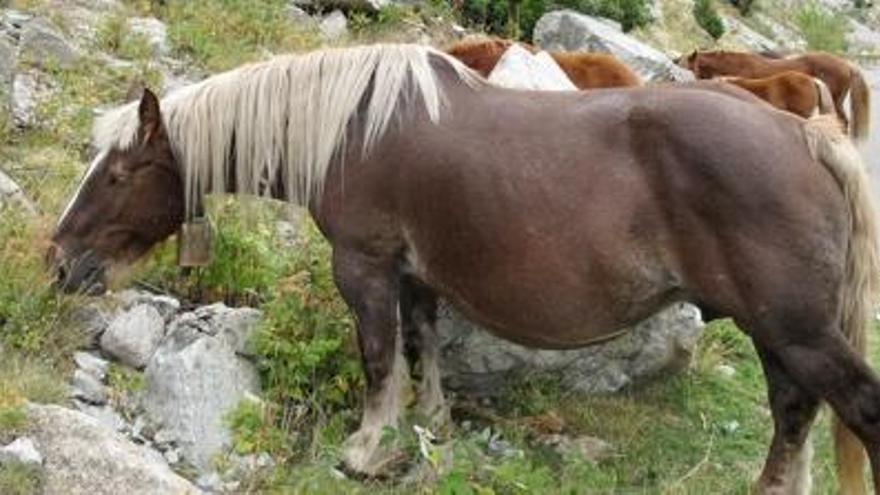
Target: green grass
222 34
20 479
823 31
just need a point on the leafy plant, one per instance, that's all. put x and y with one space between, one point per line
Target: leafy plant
305 340
707 17
254 428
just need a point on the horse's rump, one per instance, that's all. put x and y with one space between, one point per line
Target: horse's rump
791 91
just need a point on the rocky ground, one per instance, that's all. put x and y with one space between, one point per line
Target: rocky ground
152 384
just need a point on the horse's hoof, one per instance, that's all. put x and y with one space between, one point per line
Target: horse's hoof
364 456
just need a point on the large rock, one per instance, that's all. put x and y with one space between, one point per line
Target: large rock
518 68
134 335
81 456
25 91
42 44
153 31
478 363
566 30
334 26
197 376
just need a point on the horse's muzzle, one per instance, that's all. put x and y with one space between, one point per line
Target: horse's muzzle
84 274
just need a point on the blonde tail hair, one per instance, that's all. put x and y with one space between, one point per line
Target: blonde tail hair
834 150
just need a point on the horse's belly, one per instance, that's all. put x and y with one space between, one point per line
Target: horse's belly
544 303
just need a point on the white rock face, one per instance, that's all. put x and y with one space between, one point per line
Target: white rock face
133 336
334 26
566 30
518 68
21 450
84 457
24 99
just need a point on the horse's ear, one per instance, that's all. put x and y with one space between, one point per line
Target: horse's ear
150 117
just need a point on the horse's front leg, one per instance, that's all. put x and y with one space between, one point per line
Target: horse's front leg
370 286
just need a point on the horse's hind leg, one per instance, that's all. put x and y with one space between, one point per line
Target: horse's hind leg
418 315
370 287
824 365
787 468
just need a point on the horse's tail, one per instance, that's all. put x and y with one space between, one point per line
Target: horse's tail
824 100
860 104
830 146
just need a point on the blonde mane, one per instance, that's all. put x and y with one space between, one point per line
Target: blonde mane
285 117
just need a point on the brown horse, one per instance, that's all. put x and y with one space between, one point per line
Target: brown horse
586 70
552 218
791 91
839 75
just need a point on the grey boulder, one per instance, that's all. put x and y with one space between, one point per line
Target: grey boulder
567 30
478 363
83 457
197 376
134 335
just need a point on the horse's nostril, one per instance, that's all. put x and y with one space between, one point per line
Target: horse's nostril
62 274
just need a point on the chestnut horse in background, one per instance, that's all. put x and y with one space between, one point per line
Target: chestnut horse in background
841 77
586 70
791 91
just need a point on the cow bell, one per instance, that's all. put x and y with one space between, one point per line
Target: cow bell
194 243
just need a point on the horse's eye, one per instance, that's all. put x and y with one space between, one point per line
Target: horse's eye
116 179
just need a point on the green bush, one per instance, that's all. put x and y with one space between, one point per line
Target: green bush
306 346
493 15
707 17
822 30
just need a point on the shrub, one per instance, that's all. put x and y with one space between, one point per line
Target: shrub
822 30
707 17
493 15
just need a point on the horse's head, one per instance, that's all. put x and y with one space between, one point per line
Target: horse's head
130 199
704 65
